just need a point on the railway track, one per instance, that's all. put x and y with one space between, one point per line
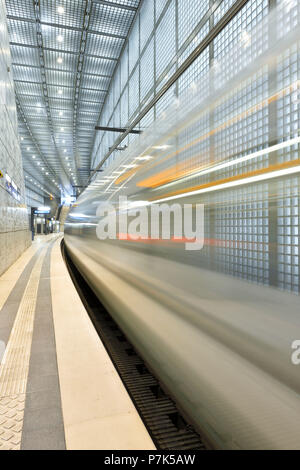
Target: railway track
165 424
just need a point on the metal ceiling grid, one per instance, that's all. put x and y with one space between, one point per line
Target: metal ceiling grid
104 66
27 74
93 96
24 56
30 111
62 115
28 100
68 61
22 32
29 88
85 116
90 81
24 9
32 149
64 53
67 91
109 47
40 128
89 106
73 12
130 4
111 19
70 43
60 105
57 78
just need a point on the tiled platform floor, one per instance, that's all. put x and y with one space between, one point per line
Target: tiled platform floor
58 387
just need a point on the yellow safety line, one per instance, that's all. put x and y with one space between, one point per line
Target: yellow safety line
14 366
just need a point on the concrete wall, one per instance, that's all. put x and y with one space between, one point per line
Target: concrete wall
15 236
53 205
33 199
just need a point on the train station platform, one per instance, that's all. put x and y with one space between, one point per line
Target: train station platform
58 387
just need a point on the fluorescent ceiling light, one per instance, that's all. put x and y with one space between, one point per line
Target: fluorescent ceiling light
146 157
161 147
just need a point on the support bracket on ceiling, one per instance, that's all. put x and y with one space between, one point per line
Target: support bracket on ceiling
117 129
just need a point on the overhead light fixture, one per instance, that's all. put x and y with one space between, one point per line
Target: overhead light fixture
162 147
60 91
193 86
38 163
129 166
33 156
245 38
28 148
62 129
61 113
146 157
60 60
60 38
60 10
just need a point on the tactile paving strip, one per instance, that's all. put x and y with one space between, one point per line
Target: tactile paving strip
11 421
14 366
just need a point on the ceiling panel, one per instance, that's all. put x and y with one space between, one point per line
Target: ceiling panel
64 53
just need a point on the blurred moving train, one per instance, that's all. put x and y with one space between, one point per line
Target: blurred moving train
215 325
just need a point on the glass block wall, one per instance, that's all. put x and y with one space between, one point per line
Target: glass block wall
253 232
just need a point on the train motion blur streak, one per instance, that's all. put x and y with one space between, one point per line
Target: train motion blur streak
219 344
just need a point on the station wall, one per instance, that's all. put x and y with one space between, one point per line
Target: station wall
33 199
15 236
262 231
